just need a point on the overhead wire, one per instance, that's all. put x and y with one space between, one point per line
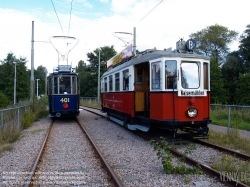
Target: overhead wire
57 16
70 16
149 12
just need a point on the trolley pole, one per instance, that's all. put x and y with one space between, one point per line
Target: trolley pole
134 47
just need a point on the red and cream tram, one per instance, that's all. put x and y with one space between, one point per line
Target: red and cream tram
159 89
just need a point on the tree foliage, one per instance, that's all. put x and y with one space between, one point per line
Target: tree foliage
244 50
231 70
218 93
7 72
89 73
4 101
242 90
213 40
41 74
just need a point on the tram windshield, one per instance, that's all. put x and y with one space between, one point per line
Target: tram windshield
65 85
190 75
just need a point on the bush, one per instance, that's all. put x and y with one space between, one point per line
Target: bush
4 101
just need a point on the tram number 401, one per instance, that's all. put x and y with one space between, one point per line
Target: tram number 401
64 100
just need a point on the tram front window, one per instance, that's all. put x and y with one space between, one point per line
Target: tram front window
190 75
171 74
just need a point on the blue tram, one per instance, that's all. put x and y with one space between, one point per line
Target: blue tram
63 92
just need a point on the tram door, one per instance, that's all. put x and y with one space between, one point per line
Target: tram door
142 88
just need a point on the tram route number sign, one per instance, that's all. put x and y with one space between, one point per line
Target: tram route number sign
64 100
191 44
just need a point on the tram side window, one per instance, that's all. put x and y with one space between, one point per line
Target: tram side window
102 85
205 73
74 85
170 74
156 75
105 85
111 83
125 79
49 86
117 82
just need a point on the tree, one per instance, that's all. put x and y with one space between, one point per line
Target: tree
231 70
4 101
89 73
7 72
244 48
243 90
213 40
40 73
218 93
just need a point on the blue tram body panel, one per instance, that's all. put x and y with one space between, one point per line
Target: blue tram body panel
59 100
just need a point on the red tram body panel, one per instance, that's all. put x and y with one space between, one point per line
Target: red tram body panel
122 102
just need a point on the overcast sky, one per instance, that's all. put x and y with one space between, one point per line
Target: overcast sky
158 23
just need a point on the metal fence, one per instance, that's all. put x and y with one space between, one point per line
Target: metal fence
229 108
12 116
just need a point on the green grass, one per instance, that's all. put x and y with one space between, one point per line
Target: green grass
232 167
239 117
231 140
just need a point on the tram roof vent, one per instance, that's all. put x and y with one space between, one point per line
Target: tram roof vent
186 47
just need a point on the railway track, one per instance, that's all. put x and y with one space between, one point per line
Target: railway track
70 157
205 168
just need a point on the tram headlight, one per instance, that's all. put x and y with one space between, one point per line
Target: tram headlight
192 112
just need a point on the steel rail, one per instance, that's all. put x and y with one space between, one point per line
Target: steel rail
33 169
230 151
115 179
208 170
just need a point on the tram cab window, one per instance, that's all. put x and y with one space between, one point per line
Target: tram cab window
125 79
117 82
111 83
156 75
190 75
171 74
65 85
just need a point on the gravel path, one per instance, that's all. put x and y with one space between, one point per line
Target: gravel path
133 159
16 163
69 159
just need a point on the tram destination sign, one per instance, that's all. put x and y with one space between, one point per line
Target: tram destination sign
192 93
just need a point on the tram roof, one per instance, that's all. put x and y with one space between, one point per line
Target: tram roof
153 54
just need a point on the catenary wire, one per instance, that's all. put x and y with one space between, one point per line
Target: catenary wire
70 16
57 16
149 12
